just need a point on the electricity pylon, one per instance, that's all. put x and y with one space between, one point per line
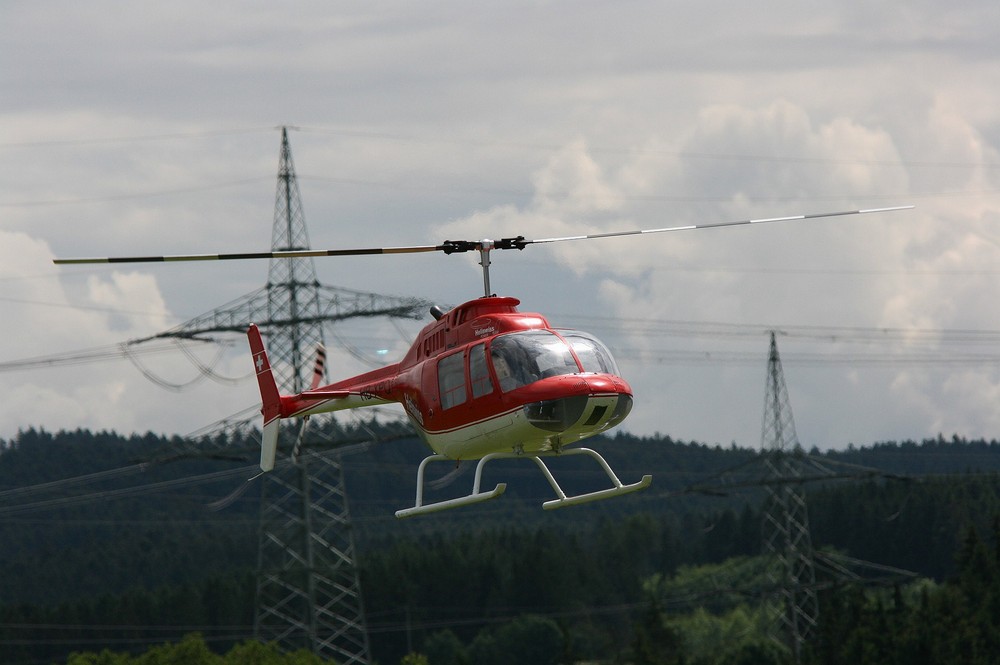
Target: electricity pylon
308 591
786 518
793 571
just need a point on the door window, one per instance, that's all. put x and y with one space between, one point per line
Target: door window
451 380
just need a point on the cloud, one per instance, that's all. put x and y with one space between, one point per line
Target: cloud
778 157
49 315
450 121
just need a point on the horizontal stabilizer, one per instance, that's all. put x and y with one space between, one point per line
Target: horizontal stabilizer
324 394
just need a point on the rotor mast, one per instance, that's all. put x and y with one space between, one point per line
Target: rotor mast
484 260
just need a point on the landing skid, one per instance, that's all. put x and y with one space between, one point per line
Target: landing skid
561 500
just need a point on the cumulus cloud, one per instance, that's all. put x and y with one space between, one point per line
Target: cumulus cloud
885 271
50 314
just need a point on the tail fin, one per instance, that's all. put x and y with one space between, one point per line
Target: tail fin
270 399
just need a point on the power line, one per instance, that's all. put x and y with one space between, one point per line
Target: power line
465 142
402 137
135 196
118 493
119 351
139 138
90 308
934 341
709 328
746 358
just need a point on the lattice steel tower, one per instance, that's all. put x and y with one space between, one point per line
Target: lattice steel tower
308 593
786 520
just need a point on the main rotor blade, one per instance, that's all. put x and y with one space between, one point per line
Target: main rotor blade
449 246
690 227
286 254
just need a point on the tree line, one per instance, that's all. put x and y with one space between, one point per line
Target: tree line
456 590
919 621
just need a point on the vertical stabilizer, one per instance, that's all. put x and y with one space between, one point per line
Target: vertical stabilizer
270 399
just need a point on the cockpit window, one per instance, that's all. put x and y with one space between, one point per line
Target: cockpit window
523 358
593 355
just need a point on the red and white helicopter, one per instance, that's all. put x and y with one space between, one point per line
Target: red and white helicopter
483 381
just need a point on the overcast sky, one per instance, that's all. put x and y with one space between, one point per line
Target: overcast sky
148 128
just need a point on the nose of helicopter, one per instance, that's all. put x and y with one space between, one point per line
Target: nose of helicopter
608 401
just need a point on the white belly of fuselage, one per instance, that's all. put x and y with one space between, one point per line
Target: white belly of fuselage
513 432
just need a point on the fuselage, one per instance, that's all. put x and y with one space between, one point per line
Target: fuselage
486 378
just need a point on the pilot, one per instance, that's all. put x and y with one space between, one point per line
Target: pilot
504 374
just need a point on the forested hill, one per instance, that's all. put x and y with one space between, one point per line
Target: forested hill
89 527
74 501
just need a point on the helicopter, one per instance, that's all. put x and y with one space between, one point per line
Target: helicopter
482 381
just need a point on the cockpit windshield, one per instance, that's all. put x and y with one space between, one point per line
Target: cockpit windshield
525 357
592 353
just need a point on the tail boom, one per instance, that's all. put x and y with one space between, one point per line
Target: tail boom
358 392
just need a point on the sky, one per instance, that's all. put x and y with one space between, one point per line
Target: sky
152 128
